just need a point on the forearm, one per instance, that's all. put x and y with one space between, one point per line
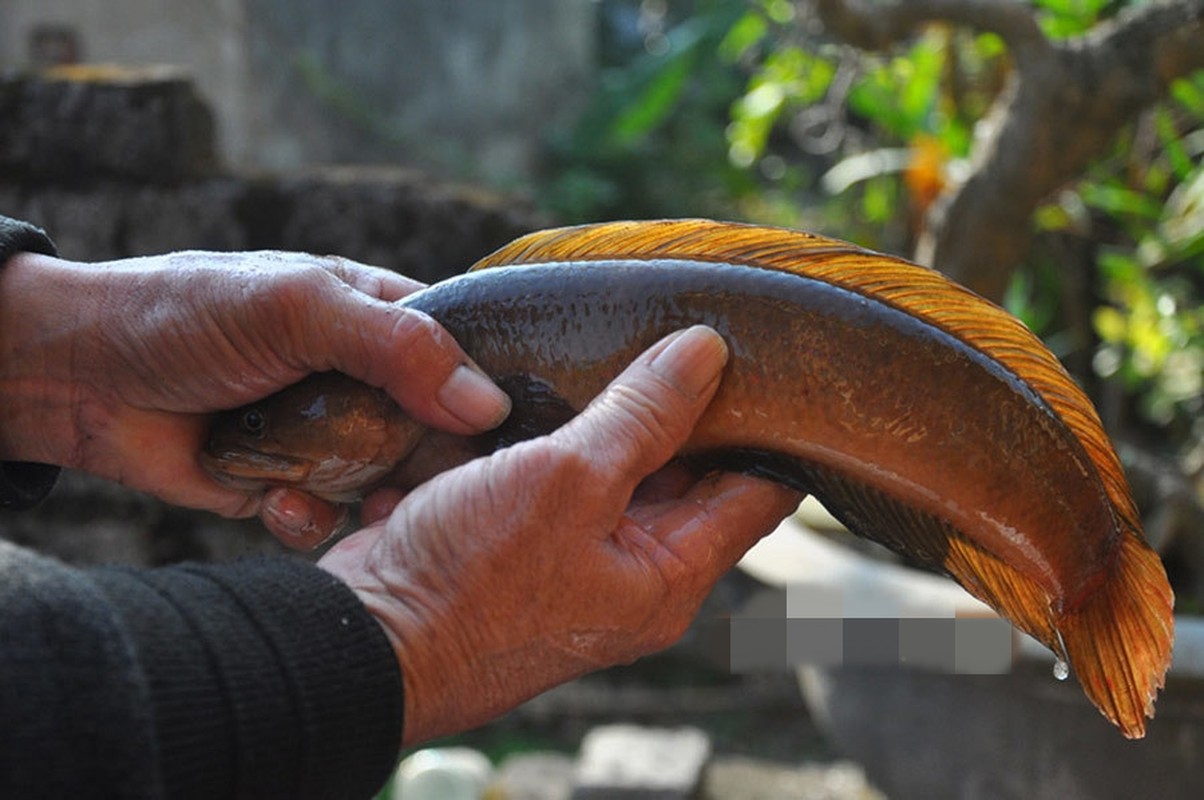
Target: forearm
45 323
258 679
21 484
42 305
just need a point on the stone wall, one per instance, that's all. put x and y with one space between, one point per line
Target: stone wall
393 218
117 163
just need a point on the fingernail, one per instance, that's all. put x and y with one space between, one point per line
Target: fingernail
472 398
692 360
306 526
291 514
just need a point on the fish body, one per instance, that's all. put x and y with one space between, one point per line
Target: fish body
922 416
868 392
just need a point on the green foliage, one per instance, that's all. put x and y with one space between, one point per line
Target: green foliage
788 75
1152 324
857 119
651 142
747 111
1148 198
1145 203
1064 18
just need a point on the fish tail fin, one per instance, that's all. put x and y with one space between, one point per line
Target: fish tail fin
1119 638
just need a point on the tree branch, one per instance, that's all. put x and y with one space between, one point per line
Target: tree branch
877 26
1062 108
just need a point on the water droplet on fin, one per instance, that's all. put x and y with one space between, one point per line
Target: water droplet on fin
1061 670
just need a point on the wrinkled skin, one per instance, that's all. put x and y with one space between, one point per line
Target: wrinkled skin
112 368
559 555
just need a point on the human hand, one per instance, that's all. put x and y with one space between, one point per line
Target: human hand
113 368
559 555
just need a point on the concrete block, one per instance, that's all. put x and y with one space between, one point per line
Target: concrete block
442 773
198 215
393 218
533 776
75 124
85 225
628 762
743 778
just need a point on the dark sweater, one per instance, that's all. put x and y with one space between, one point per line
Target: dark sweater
257 679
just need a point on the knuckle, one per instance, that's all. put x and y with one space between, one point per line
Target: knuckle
554 464
288 292
560 482
413 328
645 418
306 283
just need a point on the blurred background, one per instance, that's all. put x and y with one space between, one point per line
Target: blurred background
423 133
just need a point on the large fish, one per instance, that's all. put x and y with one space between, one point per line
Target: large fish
921 415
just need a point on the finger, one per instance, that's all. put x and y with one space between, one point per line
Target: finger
156 452
414 359
299 520
704 534
348 556
381 284
380 504
637 424
668 483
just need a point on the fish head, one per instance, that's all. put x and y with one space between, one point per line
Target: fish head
328 435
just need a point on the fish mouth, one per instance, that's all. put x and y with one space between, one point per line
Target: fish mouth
250 469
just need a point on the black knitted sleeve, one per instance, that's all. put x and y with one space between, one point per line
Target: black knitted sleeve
22 484
258 679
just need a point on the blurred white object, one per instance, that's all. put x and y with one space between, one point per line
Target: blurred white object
443 773
794 555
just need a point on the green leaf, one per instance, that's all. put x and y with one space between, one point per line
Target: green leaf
1176 152
790 76
1120 201
1120 267
780 11
879 201
1109 323
919 76
657 100
1189 92
746 34
1065 18
990 45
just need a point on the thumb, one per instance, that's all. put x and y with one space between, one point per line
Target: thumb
646 414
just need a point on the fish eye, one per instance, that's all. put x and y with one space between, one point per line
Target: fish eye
253 421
